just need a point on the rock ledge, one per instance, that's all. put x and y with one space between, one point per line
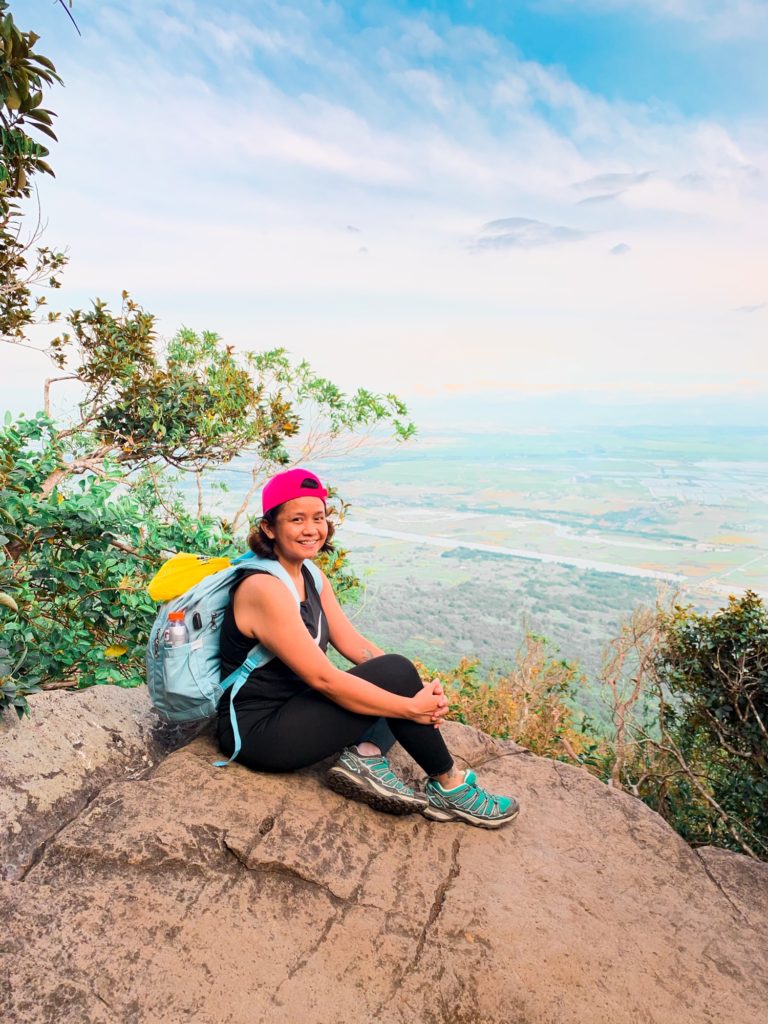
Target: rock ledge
223 896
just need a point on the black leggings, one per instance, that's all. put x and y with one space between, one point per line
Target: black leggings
310 727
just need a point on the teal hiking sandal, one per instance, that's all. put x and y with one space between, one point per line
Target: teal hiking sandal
469 802
371 780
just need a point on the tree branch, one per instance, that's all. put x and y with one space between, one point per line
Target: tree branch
199 482
47 390
92 463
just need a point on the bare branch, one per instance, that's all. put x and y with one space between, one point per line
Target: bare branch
122 545
158 494
242 511
71 18
47 390
199 483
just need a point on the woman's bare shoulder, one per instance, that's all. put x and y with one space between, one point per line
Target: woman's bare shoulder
256 586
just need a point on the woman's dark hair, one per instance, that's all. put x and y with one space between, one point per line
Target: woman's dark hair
263 546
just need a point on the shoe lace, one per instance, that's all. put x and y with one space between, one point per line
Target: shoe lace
478 800
382 770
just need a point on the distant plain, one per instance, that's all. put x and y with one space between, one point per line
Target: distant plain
463 541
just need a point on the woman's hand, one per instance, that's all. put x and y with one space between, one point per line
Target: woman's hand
430 706
437 687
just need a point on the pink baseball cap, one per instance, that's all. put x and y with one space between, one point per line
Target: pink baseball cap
293 483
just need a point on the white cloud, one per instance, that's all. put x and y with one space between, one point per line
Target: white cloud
620 180
524 233
721 19
423 85
416 36
216 186
605 197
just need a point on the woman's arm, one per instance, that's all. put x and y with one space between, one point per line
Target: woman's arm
265 609
342 634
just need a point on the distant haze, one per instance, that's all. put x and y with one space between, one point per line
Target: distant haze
500 411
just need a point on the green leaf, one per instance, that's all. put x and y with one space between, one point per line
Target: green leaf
52 135
45 62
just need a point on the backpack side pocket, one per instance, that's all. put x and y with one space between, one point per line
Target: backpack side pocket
190 691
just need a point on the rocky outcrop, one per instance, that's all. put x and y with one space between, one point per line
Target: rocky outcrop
54 763
222 896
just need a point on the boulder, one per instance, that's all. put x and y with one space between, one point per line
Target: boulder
223 896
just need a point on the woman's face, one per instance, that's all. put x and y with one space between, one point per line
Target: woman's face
301 528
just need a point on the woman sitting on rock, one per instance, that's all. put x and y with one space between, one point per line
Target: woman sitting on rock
298 708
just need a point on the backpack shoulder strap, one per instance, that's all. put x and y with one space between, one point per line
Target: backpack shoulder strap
316 575
274 568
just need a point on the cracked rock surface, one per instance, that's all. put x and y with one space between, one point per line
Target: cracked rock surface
55 762
222 896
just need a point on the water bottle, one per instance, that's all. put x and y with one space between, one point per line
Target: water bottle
176 632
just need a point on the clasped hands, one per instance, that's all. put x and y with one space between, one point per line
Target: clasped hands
431 704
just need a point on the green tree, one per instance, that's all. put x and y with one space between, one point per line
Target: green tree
24 73
90 507
714 669
75 563
689 700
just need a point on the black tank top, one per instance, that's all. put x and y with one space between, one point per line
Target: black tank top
274 683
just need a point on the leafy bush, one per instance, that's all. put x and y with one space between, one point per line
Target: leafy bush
76 561
531 704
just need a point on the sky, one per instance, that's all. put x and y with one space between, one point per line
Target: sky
545 199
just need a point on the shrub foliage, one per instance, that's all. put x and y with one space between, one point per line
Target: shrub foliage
531 704
688 693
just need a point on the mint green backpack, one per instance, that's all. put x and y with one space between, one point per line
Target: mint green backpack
184 682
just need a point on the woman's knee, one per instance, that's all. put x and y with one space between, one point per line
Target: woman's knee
395 673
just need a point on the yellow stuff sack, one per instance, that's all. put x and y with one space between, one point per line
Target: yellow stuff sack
176 576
